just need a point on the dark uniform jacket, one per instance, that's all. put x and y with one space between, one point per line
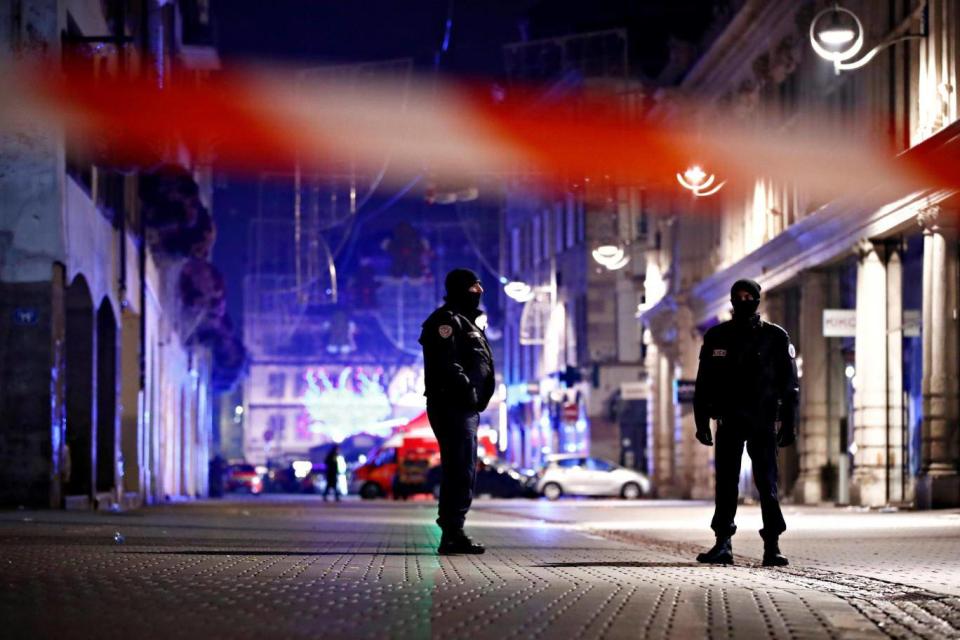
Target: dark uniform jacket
458 363
747 373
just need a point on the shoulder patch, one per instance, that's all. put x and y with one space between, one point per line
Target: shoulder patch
445 331
792 350
719 353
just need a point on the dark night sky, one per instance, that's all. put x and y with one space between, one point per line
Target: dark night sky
317 32
323 31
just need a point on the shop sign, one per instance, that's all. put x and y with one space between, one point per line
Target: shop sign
25 316
685 389
842 323
911 323
839 323
634 390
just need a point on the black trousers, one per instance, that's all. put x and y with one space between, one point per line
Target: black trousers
761 444
332 486
456 431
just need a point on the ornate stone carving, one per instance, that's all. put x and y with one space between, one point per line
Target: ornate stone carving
747 98
786 58
864 248
761 69
929 219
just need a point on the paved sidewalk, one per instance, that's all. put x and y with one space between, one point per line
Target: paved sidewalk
299 568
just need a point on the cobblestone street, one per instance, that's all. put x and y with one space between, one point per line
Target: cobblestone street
301 568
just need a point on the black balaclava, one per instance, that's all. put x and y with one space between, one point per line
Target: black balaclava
456 284
745 309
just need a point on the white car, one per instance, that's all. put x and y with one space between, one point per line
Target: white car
579 475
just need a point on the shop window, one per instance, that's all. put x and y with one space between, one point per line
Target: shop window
275 385
276 424
301 386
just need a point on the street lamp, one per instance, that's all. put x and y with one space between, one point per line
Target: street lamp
836 35
699 183
611 256
518 290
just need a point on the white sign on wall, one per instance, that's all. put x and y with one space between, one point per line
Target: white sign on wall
842 323
839 323
631 390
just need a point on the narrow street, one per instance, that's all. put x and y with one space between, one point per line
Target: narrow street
296 567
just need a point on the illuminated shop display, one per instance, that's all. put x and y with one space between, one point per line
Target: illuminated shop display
353 402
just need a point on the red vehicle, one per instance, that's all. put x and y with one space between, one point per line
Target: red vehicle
243 478
399 467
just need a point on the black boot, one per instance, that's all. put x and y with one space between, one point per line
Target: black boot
721 553
772 556
457 542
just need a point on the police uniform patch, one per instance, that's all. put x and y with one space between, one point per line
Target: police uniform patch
719 353
445 331
792 351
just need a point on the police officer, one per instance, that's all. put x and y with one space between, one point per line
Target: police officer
459 379
747 381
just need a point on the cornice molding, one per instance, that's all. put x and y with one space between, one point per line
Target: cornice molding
756 34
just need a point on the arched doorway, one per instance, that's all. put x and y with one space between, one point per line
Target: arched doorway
107 398
81 410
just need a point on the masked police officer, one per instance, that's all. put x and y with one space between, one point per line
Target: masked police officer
747 381
459 379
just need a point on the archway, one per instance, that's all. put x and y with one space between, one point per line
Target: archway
107 399
81 410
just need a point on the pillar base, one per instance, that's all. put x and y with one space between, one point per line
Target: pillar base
938 492
668 492
808 491
868 490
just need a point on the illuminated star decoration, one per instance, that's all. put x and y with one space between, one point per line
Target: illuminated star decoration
351 405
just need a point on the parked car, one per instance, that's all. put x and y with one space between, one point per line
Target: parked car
243 478
579 475
293 476
495 478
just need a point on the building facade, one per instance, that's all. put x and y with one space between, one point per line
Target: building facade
867 290
105 384
573 356
335 296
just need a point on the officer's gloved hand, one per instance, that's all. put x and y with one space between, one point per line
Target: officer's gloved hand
786 435
704 436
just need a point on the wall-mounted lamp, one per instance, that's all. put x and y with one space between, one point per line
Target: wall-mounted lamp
699 183
519 291
836 35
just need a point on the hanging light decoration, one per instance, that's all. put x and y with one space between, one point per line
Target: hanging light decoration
611 256
699 183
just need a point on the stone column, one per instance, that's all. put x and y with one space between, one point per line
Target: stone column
939 484
812 433
896 450
664 464
697 459
651 364
870 383
685 368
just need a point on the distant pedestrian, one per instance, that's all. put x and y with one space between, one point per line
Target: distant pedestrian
459 382
332 472
748 382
